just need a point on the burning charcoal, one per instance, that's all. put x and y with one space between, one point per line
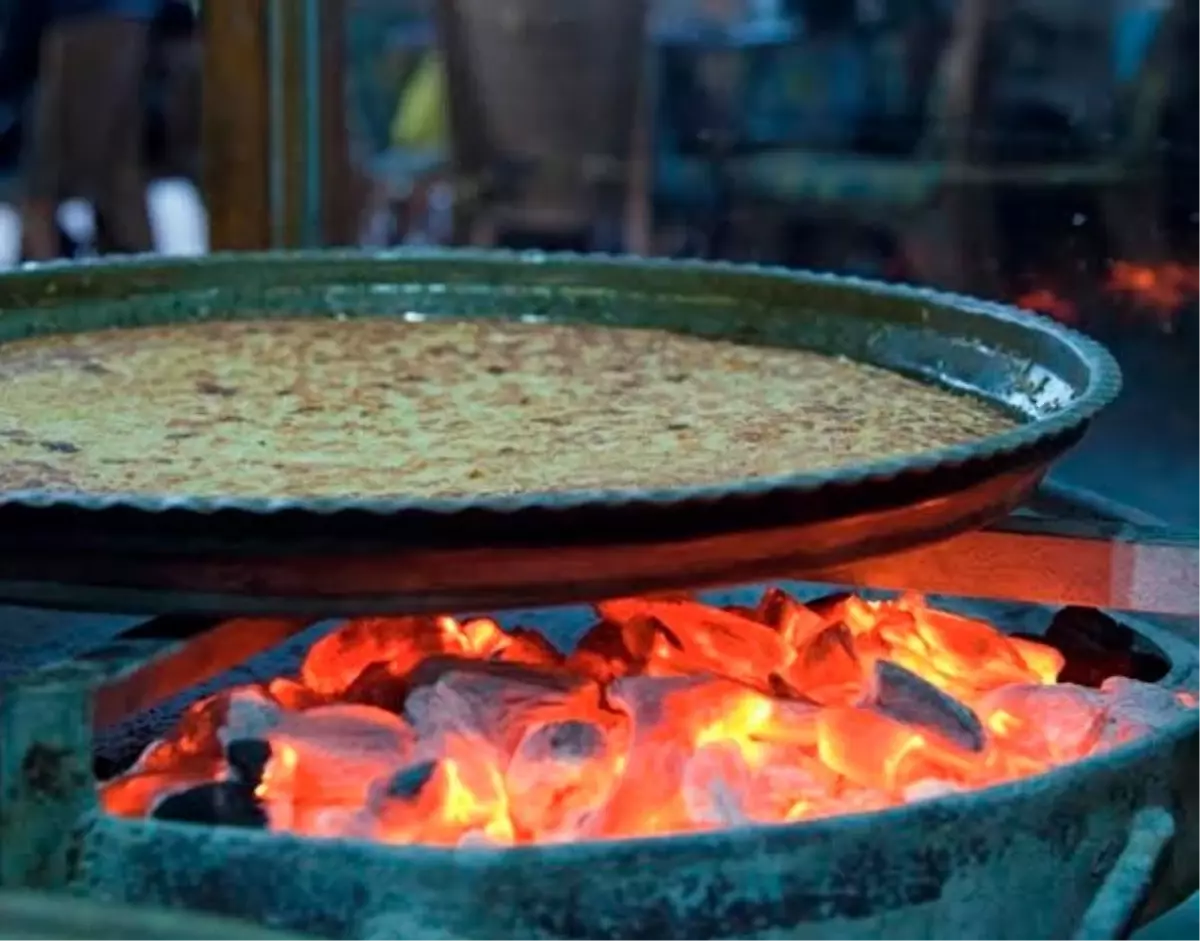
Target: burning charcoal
647 800
407 783
772 607
1046 725
786 782
795 622
972 655
571 740
463 733
1043 661
529 647
329 756
435 669
670 717
335 660
716 784
247 758
134 794
441 800
1125 692
378 686
173 754
194 735
561 774
791 723
829 607
826 668
874 751
692 711
484 639
907 698
780 688
492 700
1135 709
222 803
611 649
249 713
695 638
292 695
653 701
441 712
196 741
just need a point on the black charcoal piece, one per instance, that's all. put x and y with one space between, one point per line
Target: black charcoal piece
377 686
1093 669
220 803
1095 647
1075 628
907 698
409 782
248 758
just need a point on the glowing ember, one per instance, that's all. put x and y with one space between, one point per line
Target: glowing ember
670 716
1164 288
1045 301
1154 292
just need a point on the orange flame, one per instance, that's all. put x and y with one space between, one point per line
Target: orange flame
671 715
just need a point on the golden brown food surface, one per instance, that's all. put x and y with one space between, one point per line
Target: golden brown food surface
371 407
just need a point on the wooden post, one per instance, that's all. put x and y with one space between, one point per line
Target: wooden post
276 147
235 124
46 782
342 186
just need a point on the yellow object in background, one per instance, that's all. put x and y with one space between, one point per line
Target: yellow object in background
420 118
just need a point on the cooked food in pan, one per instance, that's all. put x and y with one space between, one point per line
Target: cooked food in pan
383 406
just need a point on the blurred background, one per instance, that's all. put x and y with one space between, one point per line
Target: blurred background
1042 152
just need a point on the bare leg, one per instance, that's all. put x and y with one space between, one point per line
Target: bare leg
87 133
39 231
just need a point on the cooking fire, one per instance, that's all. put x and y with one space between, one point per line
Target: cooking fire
671 715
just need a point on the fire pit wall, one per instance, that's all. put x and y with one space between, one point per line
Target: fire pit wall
1080 851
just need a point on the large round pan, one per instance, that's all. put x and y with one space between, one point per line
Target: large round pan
177 551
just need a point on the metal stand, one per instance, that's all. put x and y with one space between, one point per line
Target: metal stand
46 782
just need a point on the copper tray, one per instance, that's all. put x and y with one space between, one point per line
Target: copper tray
180 552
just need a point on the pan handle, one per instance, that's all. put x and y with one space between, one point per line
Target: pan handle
1114 910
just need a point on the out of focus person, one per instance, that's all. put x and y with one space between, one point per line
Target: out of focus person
86 128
